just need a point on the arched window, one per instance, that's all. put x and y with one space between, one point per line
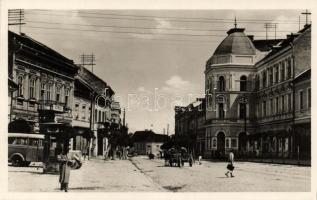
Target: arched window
221 83
243 83
20 86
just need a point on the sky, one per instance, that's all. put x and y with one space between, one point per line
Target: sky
152 59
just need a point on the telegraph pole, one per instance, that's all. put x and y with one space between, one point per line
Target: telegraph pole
16 17
88 60
306 14
268 26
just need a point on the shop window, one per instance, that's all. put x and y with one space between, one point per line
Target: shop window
227 143
214 143
233 143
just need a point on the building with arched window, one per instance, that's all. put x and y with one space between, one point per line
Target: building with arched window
250 96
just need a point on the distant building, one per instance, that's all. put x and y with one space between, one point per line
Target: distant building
146 142
190 121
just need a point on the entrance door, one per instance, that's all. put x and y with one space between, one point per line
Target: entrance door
100 145
221 144
243 143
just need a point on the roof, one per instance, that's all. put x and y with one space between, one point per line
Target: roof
148 136
30 42
265 45
303 74
286 42
236 43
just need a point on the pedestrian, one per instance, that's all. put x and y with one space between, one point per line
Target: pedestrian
64 168
199 159
230 165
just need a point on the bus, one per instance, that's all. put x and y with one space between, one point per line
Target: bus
25 148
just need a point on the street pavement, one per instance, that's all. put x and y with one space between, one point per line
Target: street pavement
139 174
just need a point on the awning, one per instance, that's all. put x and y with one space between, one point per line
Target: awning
83 131
21 126
59 130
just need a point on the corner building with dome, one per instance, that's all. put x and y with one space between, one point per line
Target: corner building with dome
258 97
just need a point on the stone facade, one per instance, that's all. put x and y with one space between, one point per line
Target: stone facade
251 90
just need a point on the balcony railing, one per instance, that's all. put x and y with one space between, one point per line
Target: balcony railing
53 105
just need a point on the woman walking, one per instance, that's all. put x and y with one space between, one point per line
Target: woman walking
230 166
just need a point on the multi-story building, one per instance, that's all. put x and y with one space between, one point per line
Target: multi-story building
45 81
250 95
93 108
51 88
190 122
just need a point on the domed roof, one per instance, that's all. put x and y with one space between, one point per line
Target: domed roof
236 43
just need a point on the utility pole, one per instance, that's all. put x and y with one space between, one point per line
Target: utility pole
306 14
123 117
88 60
268 26
16 17
167 129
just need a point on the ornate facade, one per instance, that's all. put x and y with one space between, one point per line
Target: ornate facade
250 96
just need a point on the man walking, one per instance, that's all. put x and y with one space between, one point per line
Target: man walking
230 166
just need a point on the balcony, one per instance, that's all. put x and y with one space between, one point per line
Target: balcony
53 106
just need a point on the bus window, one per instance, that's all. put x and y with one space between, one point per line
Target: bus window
11 140
33 142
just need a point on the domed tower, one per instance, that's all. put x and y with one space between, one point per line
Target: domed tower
229 87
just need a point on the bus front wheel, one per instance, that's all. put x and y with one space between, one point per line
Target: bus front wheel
17 161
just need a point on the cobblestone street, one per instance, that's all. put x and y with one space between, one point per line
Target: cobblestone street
141 174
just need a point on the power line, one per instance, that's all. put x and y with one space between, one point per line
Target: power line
131 32
168 17
207 42
174 20
135 27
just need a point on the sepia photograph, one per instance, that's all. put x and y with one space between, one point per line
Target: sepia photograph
132 100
